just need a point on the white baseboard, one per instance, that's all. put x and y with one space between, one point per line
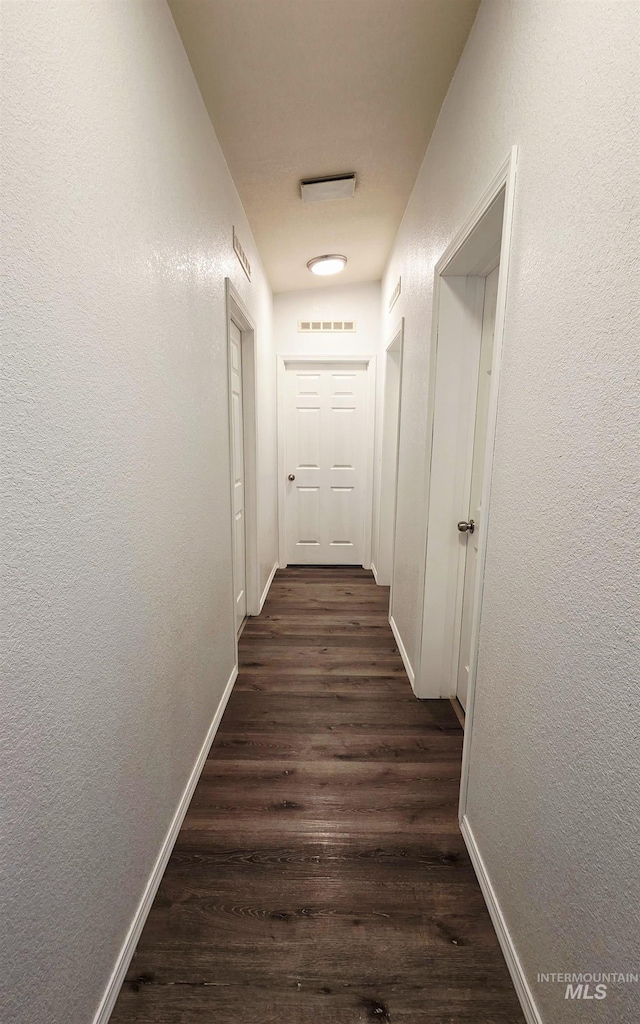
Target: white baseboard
268 586
520 983
114 985
403 653
376 576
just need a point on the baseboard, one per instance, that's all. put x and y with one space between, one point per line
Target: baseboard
459 710
114 985
520 983
403 653
268 586
376 576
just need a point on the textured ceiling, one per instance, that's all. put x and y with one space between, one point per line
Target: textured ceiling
302 88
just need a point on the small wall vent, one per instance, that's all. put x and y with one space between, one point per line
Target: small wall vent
395 294
326 326
241 254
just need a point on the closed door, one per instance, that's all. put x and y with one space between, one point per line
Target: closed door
237 462
389 464
477 475
325 458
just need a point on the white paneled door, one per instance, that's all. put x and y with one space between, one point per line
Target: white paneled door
477 477
238 483
325 438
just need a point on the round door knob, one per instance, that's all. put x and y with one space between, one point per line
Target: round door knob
291 476
466 527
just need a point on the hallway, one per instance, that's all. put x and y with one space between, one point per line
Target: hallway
320 874
321 282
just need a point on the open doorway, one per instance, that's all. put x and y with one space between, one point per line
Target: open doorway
469 301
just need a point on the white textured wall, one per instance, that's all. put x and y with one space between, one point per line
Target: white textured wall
553 798
117 577
359 302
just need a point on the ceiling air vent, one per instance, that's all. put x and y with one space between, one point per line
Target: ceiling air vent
326 326
323 190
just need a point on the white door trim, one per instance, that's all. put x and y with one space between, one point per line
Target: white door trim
506 179
237 311
503 182
370 362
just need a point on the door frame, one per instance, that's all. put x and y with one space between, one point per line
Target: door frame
370 362
504 182
395 345
237 311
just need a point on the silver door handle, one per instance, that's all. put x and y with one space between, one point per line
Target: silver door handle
291 476
465 527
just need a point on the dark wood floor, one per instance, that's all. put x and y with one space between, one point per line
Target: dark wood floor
320 876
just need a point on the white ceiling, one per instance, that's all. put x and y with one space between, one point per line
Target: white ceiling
302 88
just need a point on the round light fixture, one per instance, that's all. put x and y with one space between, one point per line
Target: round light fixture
325 265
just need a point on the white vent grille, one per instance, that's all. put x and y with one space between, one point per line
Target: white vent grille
326 326
241 254
395 294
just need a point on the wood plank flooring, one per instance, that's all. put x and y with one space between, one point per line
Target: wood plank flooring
320 876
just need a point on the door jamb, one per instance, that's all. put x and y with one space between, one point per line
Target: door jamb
370 362
237 311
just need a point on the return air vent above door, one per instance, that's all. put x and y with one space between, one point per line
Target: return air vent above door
326 326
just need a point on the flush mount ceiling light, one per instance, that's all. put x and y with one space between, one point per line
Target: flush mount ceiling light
321 190
326 265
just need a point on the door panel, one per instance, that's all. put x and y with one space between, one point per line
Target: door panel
477 475
308 441
343 438
237 452
325 439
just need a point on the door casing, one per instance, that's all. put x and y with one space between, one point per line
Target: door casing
237 312
370 362
471 254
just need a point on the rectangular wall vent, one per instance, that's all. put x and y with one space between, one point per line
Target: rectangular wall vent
326 326
395 294
241 254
